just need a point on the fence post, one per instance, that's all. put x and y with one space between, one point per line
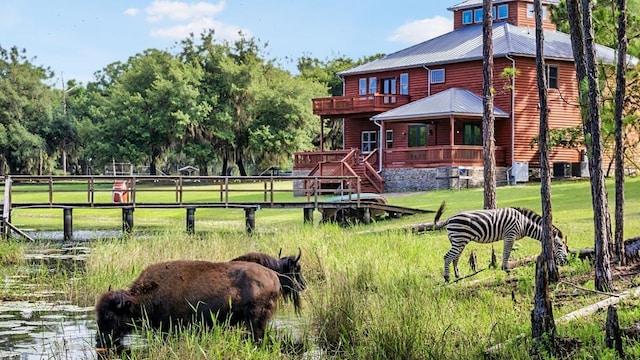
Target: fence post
250 219
127 220
191 219
68 224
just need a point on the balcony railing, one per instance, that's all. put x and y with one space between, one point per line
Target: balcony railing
347 105
430 156
445 155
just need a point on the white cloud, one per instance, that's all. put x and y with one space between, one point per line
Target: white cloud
181 11
221 31
131 12
421 30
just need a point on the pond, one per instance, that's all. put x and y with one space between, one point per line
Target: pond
48 329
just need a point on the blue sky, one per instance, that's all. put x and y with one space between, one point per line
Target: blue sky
76 38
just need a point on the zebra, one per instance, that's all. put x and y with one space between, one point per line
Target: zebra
485 226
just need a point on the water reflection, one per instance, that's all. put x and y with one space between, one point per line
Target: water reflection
40 330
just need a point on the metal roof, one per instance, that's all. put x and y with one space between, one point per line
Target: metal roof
453 101
476 3
465 44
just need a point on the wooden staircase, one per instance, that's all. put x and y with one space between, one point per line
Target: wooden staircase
353 165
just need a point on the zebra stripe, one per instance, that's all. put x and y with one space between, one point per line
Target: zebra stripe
486 226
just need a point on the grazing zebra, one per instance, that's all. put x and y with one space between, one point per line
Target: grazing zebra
485 226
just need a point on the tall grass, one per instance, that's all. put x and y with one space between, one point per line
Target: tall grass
378 294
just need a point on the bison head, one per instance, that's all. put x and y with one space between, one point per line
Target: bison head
291 279
115 316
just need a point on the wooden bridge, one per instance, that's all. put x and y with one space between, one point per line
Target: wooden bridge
248 193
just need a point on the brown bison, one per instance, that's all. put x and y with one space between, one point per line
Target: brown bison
289 273
175 293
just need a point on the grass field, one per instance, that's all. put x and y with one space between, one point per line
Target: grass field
372 295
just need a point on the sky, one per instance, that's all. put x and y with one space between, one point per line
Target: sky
76 38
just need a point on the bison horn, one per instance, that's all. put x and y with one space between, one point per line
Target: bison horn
299 255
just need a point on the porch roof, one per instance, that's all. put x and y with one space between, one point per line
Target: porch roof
454 101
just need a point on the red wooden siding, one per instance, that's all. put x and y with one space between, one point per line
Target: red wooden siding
527 115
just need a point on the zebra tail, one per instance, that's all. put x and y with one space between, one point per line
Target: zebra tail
437 218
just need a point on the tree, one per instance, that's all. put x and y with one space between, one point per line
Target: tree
488 118
542 322
149 105
25 110
581 25
619 127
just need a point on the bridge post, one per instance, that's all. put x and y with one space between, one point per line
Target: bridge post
127 220
191 219
250 219
366 215
68 224
308 215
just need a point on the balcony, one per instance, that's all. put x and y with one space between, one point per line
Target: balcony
341 106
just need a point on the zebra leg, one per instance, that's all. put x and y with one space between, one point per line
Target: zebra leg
506 252
453 255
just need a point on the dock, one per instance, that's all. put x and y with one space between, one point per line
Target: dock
246 193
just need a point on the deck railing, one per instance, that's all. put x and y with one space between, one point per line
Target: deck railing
432 156
336 105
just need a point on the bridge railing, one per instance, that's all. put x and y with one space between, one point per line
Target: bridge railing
96 191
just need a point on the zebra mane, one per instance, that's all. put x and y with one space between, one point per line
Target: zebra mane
535 217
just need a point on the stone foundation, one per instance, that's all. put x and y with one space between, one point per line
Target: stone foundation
424 179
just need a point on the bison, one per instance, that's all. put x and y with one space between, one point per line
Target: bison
175 293
289 273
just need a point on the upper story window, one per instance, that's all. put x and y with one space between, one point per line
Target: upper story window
467 17
503 11
404 84
362 86
477 15
437 76
531 11
373 85
552 77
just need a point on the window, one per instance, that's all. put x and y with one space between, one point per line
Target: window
373 85
477 15
552 76
531 11
472 134
417 135
362 87
389 142
369 141
404 84
389 87
503 11
467 17
437 76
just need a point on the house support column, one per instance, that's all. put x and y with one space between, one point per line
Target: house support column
452 133
321 134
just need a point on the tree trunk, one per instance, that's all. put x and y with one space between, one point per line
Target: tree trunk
488 119
619 148
602 234
543 326
613 339
545 172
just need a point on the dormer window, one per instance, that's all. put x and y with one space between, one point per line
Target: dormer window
503 11
477 15
467 17
531 11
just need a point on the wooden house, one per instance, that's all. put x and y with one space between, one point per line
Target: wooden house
412 120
